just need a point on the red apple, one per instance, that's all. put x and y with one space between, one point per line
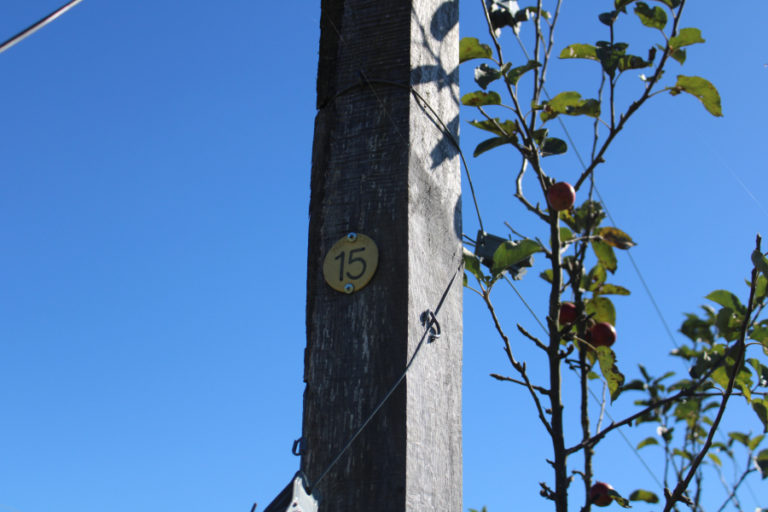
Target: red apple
567 313
561 196
600 494
602 334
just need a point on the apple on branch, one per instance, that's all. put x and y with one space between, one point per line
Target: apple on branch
561 196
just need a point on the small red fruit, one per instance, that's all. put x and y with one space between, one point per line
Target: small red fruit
600 494
567 313
561 196
602 334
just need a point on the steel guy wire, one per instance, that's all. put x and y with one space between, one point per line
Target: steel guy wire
608 212
581 161
37 25
635 266
437 118
432 331
432 321
592 393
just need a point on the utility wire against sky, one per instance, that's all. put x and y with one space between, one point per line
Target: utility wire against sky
37 25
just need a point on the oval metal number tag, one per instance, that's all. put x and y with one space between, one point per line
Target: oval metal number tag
351 263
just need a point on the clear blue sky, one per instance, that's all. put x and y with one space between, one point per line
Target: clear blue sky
154 187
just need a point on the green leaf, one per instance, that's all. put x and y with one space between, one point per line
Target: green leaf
565 234
702 89
485 74
480 98
645 442
489 144
608 18
546 275
505 128
579 51
602 309
609 55
643 495
697 329
514 74
654 17
761 287
634 385
744 383
760 262
619 499
755 442
539 135
569 103
621 4
632 62
613 377
682 454
727 300
616 238
686 37
584 217
715 459
553 146
760 406
595 278
679 55
472 265
470 48
762 462
605 255
670 3
760 334
688 411
511 253
722 375
612 289
740 437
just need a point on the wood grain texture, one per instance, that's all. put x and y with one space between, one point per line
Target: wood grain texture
382 166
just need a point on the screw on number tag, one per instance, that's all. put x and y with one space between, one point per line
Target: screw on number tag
351 263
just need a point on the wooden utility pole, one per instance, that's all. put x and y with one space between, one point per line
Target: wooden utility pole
385 166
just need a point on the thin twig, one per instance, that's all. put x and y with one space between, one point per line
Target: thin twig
741 347
635 105
531 337
543 391
520 367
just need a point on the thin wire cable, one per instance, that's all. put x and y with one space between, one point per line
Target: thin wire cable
37 25
636 266
608 212
525 303
373 413
592 393
640 276
637 269
741 183
438 119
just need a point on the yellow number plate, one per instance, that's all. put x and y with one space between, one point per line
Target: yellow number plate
351 263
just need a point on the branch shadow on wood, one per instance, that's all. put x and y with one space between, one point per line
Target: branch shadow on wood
444 20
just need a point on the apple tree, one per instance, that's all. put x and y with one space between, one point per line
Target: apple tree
727 342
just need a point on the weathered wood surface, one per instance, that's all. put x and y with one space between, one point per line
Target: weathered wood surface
382 166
